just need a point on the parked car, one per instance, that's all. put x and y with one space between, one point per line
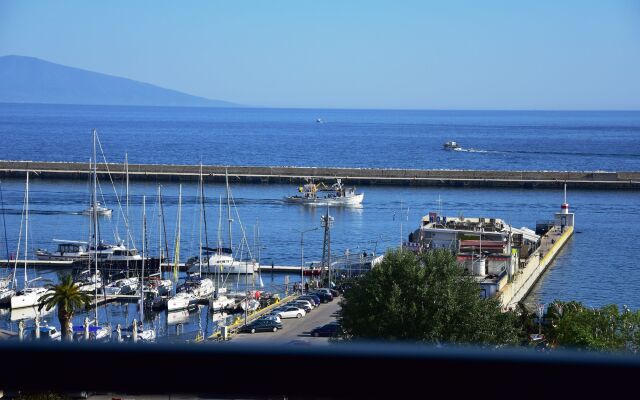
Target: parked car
311 297
334 292
262 325
329 330
291 312
305 306
325 297
309 303
273 317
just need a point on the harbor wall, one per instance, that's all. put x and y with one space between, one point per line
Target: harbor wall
352 176
535 266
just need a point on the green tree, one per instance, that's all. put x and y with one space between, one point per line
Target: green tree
429 298
68 298
605 329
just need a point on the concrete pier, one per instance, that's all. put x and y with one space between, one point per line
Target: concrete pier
352 176
551 244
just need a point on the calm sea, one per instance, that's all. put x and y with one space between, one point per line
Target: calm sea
596 267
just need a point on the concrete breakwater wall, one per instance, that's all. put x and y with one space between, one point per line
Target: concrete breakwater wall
355 176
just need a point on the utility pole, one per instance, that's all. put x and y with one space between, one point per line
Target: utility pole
302 257
326 221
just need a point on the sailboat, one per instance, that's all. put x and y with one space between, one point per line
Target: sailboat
28 296
222 260
136 331
144 334
7 283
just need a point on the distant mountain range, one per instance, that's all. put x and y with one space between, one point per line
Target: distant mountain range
32 80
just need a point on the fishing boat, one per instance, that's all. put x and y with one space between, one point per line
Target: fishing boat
67 250
100 210
321 194
451 145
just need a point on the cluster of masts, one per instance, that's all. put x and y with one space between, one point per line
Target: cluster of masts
153 291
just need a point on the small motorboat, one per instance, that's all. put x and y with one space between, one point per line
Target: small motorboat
451 145
100 210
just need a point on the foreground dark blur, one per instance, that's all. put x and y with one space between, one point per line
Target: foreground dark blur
340 370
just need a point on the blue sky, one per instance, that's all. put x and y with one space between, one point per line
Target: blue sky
349 54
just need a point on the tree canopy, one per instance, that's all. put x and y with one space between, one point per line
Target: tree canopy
573 325
428 298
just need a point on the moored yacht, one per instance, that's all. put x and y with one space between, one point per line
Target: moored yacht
28 297
88 281
67 250
121 286
221 262
181 301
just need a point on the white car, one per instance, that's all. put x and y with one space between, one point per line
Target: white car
273 317
291 312
302 304
307 302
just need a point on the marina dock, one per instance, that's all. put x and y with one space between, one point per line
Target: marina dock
352 176
49 264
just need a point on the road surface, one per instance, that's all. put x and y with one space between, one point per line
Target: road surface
296 329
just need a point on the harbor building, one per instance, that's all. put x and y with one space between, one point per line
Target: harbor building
505 260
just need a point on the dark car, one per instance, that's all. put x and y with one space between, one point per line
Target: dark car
324 296
334 292
329 330
311 297
262 325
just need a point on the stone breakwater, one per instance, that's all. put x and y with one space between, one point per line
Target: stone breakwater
353 176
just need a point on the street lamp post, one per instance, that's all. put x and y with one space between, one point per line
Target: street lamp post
302 257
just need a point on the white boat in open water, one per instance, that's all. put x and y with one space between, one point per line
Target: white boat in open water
321 195
100 210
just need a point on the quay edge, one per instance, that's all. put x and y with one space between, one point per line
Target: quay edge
353 176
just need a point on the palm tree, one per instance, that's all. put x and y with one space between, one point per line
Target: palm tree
68 297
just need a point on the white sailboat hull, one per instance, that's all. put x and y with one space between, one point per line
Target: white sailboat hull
29 299
181 301
222 303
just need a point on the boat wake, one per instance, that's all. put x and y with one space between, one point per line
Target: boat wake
559 153
472 150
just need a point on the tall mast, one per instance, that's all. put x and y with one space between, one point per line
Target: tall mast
219 242
94 217
200 224
164 230
229 219
144 248
26 229
204 219
126 166
159 234
176 254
